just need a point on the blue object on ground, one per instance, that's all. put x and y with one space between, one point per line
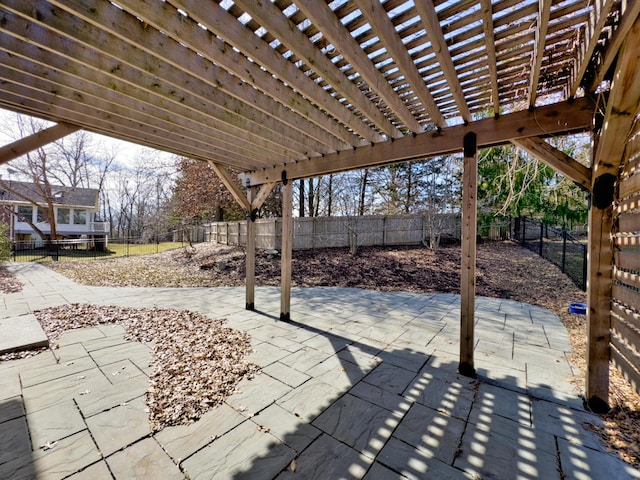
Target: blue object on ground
578 308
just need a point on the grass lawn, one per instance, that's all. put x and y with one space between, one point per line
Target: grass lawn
114 250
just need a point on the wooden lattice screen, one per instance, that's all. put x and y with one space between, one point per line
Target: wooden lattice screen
625 305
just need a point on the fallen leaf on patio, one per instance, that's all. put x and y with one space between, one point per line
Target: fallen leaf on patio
293 465
48 445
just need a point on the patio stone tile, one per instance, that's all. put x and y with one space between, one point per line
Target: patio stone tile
416 464
492 371
253 395
567 395
181 441
138 353
379 472
358 423
105 342
452 397
69 352
9 387
285 426
310 399
580 463
54 423
485 453
68 456
327 343
14 439
120 372
493 400
120 426
97 471
285 374
393 402
79 335
244 452
526 437
265 354
143 460
109 396
112 330
49 393
567 423
408 359
337 461
390 377
339 373
305 358
31 377
431 431
365 361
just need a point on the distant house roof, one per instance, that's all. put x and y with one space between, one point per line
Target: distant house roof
85 197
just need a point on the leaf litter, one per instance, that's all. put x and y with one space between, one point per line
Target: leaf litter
197 361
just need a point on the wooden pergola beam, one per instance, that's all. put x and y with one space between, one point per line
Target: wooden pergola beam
619 35
429 17
327 22
287 251
622 108
382 24
597 20
556 159
544 11
263 193
231 185
560 118
487 21
32 142
468 257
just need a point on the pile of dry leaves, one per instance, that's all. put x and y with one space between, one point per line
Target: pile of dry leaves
197 361
8 282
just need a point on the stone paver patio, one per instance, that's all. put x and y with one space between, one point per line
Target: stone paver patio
360 385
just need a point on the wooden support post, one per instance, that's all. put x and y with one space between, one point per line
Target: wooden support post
250 260
287 247
599 279
468 263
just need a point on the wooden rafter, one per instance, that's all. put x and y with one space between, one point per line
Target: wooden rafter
231 185
32 142
542 24
145 47
161 16
597 19
322 16
556 159
429 16
487 23
380 22
297 42
547 120
628 19
263 193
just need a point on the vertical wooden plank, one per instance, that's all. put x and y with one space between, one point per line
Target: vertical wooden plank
287 247
468 260
599 278
250 256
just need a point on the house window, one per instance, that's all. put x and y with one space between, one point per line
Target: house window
25 212
41 215
63 216
79 217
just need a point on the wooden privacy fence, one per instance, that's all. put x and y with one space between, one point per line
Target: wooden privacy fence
323 232
625 304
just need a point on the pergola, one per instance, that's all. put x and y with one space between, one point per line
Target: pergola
283 90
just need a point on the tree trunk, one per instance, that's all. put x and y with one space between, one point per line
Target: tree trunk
301 194
363 191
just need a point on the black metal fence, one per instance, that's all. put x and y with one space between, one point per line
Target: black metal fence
556 245
78 249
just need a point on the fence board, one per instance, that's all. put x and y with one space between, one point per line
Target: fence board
627 278
626 295
627 259
627 368
625 333
629 223
630 186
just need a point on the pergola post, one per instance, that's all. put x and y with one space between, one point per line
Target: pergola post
468 261
287 247
250 260
599 278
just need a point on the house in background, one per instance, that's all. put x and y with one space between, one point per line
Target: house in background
75 212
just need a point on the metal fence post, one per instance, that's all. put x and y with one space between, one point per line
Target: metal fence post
523 230
564 250
584 267
541 236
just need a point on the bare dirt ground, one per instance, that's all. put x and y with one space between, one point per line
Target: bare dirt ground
504 270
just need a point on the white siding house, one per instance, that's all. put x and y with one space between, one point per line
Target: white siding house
74 209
